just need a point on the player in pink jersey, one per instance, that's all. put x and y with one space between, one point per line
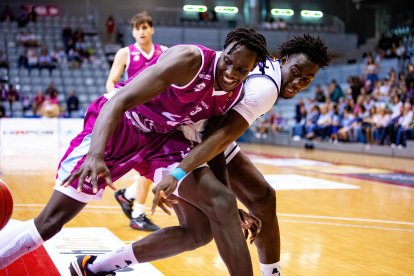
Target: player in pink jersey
131 59
127 130
300 60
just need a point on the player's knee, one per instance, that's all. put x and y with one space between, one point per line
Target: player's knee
264 205
47 226
224 205
201 238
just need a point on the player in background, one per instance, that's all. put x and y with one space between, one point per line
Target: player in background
130 60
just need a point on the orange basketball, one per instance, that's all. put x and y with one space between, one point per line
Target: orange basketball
6 204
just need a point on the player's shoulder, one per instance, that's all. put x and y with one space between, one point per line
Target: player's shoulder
187 52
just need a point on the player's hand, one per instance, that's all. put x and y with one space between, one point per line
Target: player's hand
250 223
162 191
92 168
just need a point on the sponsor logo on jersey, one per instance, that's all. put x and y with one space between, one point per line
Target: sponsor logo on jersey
199 87
204 76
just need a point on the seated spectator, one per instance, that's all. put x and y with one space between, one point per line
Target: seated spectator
2 111
355 87
278 123
30 39
26 104
12 97
380 122
3 93
45 60
322 129
49 108
319 94
23 17
335 91
404 124
37 102
72 103
371 71
52 92
345 133
58 56
3 60
299 128
7 15
32 58
32 16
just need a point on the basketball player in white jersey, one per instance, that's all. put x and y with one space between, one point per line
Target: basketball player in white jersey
132 59
299 60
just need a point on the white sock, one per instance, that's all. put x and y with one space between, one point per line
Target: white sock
131 191
114 260
270 269
17 241
138 209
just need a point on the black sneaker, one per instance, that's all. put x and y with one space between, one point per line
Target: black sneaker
143 223
79 267
126 204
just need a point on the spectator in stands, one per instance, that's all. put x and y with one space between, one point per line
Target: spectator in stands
12 97
45 60
405 124
409 76
371 71
32 16
23 18
32 58
278 122
72 103
367 125
335 91
52 91
3 93
30 39
299 129
3 60
37 102
26 104
380 122
49 108
346 130
67 37
58 56
322 129
7 15
2 111
110 29
355 87
319 94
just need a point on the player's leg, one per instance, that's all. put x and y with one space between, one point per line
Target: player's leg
26 237
139 220
193 232
259 197
204 191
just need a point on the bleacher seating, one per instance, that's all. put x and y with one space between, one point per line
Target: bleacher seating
88 80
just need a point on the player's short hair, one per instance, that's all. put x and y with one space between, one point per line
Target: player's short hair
312 46
252 40
141 18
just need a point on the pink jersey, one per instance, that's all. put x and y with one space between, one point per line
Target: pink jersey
185 105
138 59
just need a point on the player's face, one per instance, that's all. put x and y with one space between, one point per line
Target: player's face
233 68
297 73
143 33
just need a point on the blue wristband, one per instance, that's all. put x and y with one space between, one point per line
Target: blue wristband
178 173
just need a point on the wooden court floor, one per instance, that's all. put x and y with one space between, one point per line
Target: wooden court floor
364 229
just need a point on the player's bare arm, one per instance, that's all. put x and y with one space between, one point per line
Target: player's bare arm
117 69
232 128
147 85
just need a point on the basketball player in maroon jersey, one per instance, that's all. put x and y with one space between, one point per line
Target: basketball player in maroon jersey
128 129
130 60
300 59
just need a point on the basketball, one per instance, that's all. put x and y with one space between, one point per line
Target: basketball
6 204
